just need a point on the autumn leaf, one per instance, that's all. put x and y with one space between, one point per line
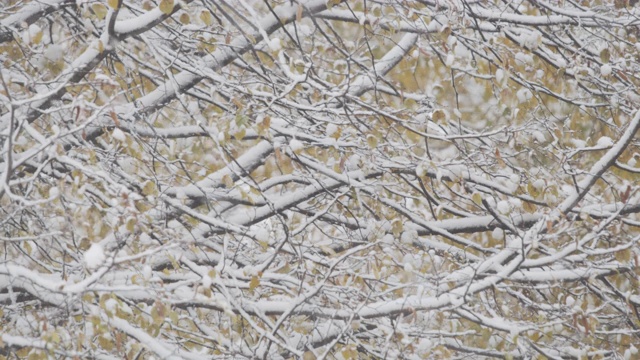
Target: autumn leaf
166 6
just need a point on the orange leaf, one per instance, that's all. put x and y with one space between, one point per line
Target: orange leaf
115 119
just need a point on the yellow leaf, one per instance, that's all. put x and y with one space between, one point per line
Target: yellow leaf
55 337
27 247
266 122
254 283
206 17
166 6
623 256
445 32
185 19
263 244
332 3
100 10
439 116
372 141
174 317
477 199
131 224
158 313
37 38
309 356
529 207
120 69
173 261
240 134
605 55
113 4
264 125
227 181
327 250
396 227
149 188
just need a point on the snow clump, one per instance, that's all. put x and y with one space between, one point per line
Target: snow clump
409 236
118 135
94 257
605 141
54 53
275 44
524 95
296 145
331 129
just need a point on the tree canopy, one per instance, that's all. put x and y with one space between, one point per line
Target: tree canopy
319 179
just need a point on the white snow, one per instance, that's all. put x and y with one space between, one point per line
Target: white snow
421 169
533 40
451 41
30 33
180 194
54 192
605 141
605 70
539 136
524 59
515 178
206 281
102 78
569 301
456 300
462 51
387 239
94 257
500 76
296 145
561 62
331 129
54 52
524 95
354 163
147 272
110 304
409 236
450 59
539 184
497 233
579 144
408 267
503 207
515 203
118 135
275 44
